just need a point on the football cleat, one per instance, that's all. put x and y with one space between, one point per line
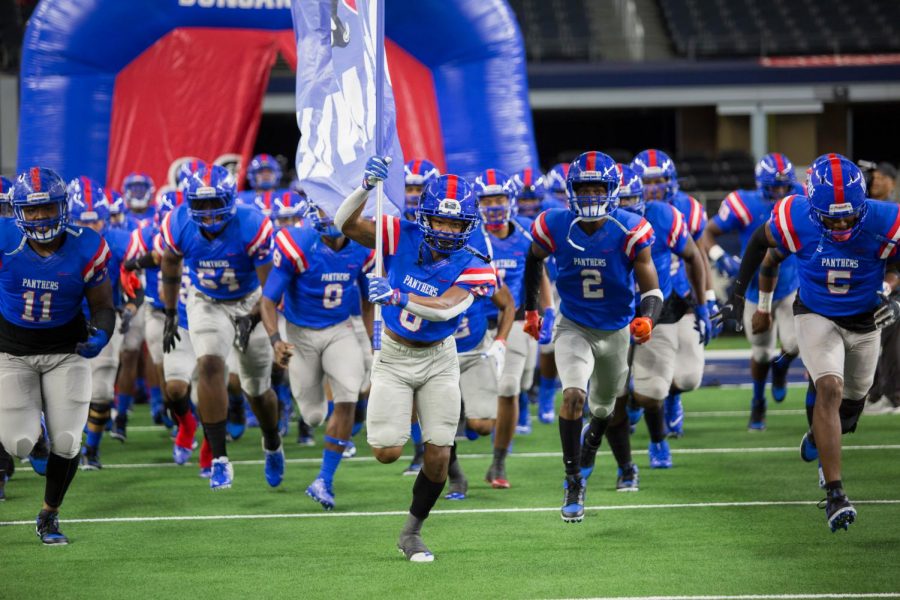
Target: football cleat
416 465
274 468
222 474
588 454
627 480
305 434
546 398
457 489
90 459
780 368
674 412
181 455
839 513
496 476
205 472
573 499
47 528
414 549
757 419
321 491
118 431
660 456
808 450
821 476
349 450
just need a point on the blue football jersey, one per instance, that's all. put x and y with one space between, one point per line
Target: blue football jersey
39 292
509 261
695 218
317 283
136 221
411 269
595 285
143 241
838 279
223 268
744 211
670 239
474 322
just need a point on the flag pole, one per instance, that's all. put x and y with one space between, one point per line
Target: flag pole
378 5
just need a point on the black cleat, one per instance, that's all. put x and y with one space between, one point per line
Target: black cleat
573 499
47 528
118 431
90 459
838 510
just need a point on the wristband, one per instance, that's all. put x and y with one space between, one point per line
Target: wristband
170 312
765 302
716 252
171 279
274 338
711 296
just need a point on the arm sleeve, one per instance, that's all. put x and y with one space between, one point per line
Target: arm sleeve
534 268
753 257
442 314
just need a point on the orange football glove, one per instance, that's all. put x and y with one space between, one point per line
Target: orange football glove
640 329
130 282
532 324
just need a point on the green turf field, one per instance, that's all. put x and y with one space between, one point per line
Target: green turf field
736 516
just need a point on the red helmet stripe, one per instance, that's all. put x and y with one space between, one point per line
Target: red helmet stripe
36 179
651 158
451 186
779 161
527 176
207 177
491 177
591 161
417 167
286 199
88 192
837 177
267 199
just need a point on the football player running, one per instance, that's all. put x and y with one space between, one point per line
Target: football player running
599 252
315 272
228 250
431 280
744 211
843 242
416 174
49 268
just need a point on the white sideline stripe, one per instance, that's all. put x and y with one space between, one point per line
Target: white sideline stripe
757 597
460 511
355 459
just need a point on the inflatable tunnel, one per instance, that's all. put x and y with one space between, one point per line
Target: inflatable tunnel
111 86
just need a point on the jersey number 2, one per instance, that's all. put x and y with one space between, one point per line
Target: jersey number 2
45 299
591 280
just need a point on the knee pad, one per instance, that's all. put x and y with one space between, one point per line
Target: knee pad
850 412
21 446
66 444
98 413
314 416
761 354
508 386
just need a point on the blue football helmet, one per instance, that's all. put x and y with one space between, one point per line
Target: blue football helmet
167 202
493 182
87 201
593 168
447 197
138 189
775 176
39 186
213 185
256 176
530 190
837 189
555 180
6 187
186 169
631 190
656 164
416 174
322 221
116 203
288 205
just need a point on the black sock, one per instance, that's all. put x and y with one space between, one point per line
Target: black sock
570 436
619 440
278 377
180 406
810 403
654 418
595 432
453 469
499 455
215 434
425 494
60 472
834 485
271 439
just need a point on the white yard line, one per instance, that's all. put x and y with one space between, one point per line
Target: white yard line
758 597
463 511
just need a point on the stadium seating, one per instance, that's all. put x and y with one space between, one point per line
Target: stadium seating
729 170
555 29
744 28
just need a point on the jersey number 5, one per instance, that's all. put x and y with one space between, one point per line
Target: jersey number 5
591 280
838 282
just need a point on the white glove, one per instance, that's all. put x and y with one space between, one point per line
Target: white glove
497 353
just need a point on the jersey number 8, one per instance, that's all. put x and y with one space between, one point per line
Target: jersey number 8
332 296
410 321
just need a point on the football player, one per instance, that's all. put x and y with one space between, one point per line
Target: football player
89 209
660 181
843 242
599 253
49 268
744 211
138 191
228 250
263 175
416 173
315 272
6 187
431 280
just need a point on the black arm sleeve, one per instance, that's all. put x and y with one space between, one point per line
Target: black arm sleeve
534 268
753 257
105 319
144 262
651 307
